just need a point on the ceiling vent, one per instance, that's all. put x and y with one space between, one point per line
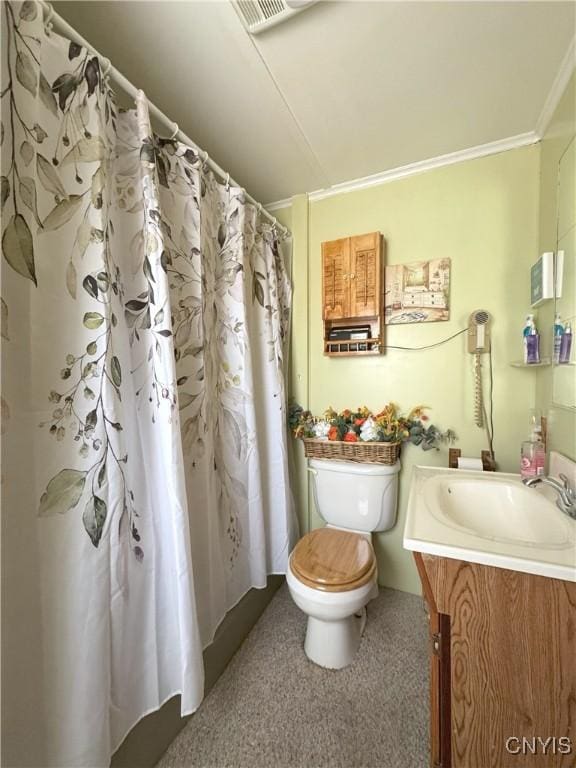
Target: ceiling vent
258 15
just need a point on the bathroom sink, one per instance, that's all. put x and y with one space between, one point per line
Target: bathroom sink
489 518
496 509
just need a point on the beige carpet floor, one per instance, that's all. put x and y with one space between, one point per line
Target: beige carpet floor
272 708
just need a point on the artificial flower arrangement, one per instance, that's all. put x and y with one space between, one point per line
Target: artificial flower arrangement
387 426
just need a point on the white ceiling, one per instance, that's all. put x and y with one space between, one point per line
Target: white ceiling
344 89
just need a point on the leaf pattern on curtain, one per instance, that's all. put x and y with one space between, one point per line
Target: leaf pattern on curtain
199 255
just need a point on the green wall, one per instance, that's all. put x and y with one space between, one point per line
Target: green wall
483 215
561 421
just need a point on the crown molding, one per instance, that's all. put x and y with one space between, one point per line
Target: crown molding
563 75
482 150
278 204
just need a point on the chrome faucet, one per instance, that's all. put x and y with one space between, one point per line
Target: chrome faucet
566 501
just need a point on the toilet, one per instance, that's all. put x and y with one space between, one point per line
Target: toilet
332 572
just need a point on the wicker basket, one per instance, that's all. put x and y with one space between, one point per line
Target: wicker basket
370 453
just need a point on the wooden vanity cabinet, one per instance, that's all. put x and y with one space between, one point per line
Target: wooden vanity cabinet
352 290
502 666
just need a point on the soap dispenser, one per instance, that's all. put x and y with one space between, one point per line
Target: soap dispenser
533 452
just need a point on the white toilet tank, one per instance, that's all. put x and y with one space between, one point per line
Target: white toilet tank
361 497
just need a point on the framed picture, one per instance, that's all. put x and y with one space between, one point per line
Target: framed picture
418 292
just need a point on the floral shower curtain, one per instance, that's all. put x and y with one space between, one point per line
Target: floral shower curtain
145 309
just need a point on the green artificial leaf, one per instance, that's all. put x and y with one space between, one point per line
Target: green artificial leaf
116 371
165 333
48 177
159 317
71 279
4 320
85 151
28 196
90 285
94 518
221 234
47 97
28 10
63 492
26 72
18 247
26 152
5 189
62 212
93 320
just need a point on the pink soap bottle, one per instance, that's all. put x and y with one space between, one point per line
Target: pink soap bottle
533 453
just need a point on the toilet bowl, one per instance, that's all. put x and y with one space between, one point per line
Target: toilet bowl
336 619
332 572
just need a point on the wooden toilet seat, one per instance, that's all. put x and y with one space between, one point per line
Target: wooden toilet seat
333 560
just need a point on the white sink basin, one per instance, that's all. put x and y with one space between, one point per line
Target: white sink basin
489 518
496 509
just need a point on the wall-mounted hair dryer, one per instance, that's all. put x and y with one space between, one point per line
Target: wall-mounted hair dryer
479 332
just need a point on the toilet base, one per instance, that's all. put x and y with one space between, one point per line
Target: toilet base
333 644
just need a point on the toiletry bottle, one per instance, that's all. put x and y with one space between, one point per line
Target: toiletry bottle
528 326
533 455
566 344
558 331
533 347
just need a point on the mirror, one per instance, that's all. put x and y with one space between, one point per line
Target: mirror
564 374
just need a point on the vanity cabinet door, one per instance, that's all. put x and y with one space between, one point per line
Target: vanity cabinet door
440 674
336 279
365 275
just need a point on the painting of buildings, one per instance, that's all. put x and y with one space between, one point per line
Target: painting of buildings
418 292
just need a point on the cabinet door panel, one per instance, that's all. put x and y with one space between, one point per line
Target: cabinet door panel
335 282
365 274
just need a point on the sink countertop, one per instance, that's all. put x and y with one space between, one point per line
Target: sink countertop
432 533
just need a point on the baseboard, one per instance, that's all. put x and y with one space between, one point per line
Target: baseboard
151 737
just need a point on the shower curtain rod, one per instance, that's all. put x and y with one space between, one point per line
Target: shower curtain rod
62 26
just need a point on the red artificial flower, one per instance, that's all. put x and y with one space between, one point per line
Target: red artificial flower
359 422
350 437
333 433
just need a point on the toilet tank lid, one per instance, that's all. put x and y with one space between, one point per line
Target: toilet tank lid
354 467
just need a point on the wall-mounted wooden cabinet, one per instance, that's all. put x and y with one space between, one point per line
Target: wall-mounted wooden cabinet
352 294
